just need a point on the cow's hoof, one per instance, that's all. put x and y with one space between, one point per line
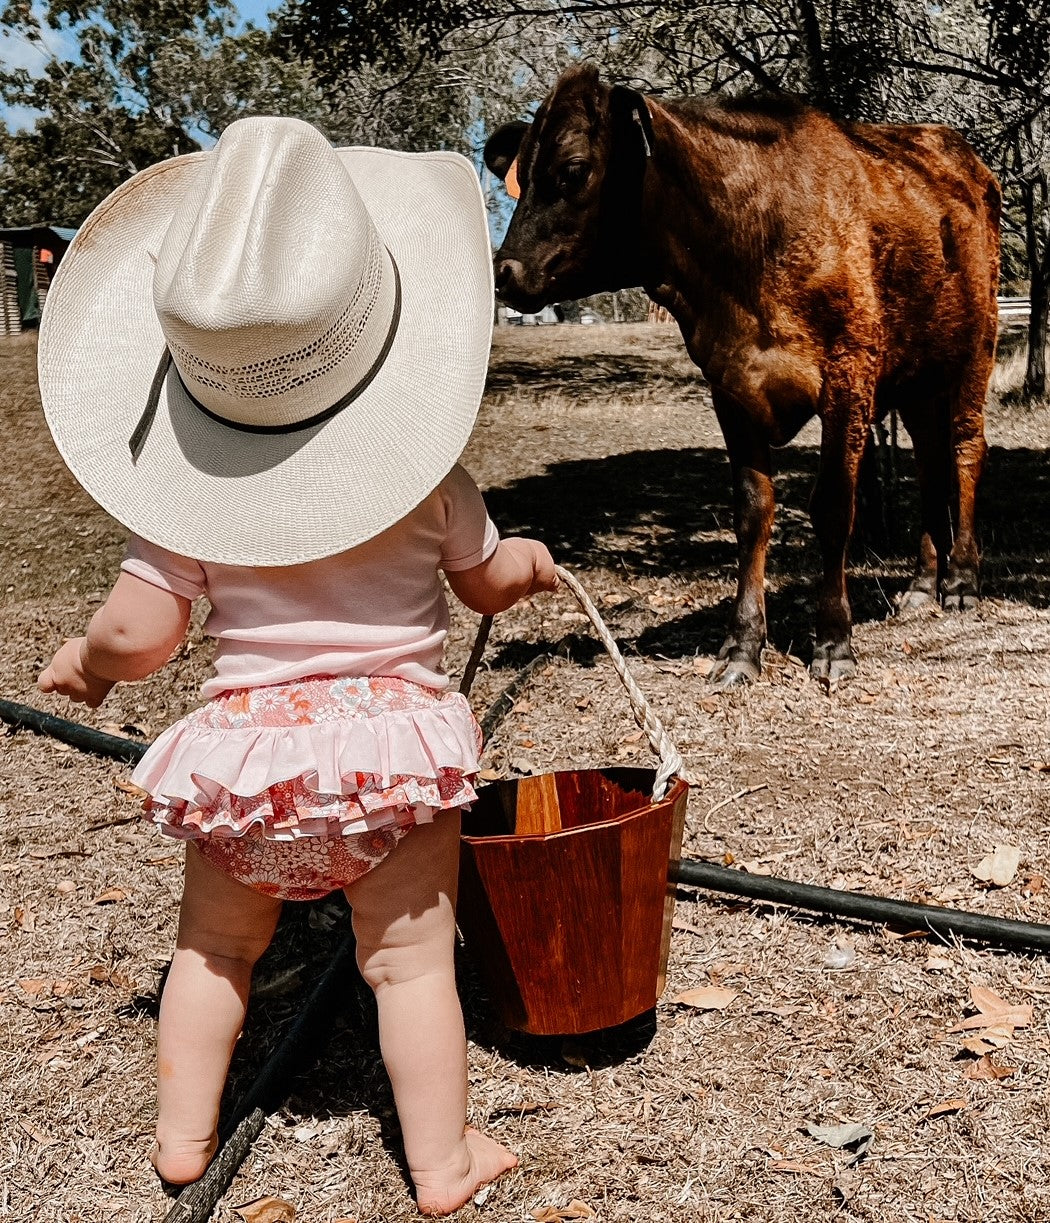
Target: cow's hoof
733 673
914 599
959 601
832 663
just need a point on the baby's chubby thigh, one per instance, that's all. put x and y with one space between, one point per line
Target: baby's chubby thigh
404 909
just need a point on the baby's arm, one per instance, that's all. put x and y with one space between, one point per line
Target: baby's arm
518 568
132 635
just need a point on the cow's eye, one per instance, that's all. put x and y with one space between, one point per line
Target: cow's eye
572 176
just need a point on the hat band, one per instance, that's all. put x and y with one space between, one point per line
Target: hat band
145 423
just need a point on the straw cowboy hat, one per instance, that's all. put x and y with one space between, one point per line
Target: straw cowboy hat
271 351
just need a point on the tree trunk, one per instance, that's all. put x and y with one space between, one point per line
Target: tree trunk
1034 387
1037 242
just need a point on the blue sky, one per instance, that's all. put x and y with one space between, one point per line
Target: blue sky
256 11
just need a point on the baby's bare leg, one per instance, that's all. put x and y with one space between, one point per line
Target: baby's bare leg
404 920
224 927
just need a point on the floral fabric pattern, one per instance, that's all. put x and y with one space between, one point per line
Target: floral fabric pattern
306 869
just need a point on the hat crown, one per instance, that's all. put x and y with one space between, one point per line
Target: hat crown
272 287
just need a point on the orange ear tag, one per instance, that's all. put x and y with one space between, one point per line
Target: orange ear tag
511 181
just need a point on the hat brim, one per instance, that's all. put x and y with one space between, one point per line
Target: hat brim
219 494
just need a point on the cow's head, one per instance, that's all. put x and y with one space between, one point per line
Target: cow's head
579 168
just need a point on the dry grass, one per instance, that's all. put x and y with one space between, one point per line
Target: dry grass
898 784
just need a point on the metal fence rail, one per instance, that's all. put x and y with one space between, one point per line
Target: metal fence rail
1014 311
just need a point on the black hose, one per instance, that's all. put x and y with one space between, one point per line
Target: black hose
1000 931
24 717
860 906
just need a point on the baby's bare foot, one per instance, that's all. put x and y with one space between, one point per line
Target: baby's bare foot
481 1160
180 1161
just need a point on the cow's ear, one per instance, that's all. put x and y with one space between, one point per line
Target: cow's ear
629 106
502 147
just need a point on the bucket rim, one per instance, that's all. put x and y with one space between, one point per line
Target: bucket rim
677 786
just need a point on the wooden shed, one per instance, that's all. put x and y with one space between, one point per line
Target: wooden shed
31 253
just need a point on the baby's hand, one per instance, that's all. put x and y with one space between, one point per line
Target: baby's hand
67 675
543 575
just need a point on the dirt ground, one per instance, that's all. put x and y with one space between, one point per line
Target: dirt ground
900 783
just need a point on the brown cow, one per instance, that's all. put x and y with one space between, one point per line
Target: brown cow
814 267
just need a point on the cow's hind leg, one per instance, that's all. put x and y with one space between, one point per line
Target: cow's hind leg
925 416
847 412
961 585
740 658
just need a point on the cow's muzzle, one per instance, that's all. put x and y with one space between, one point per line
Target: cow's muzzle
513 287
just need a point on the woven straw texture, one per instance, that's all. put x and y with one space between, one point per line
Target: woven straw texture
228 496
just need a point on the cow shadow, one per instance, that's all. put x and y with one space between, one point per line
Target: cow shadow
666 513
588 375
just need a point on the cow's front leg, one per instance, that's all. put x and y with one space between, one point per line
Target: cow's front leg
740 658
847 412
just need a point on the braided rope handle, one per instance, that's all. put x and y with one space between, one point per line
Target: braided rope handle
659 740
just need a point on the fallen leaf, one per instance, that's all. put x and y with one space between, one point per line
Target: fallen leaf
556 1214
849 1134
1033 885
34 987
706 998
36 1133
942 1109
994 1012
266 1210
999 867
753 868
25 918
109 896
974 1044
99 974
984 1070
65 887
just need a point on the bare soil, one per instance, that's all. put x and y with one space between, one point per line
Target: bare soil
600 441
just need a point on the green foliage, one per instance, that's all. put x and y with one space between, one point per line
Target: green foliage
151 79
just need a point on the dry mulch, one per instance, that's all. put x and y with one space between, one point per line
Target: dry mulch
898 783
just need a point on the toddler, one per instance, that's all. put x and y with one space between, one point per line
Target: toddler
264 361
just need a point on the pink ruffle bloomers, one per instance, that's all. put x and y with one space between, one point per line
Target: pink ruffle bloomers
299 789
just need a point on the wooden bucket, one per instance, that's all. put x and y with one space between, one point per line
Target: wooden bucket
571 929
564 898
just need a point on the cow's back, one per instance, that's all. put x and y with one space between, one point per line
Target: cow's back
885 235
934 219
